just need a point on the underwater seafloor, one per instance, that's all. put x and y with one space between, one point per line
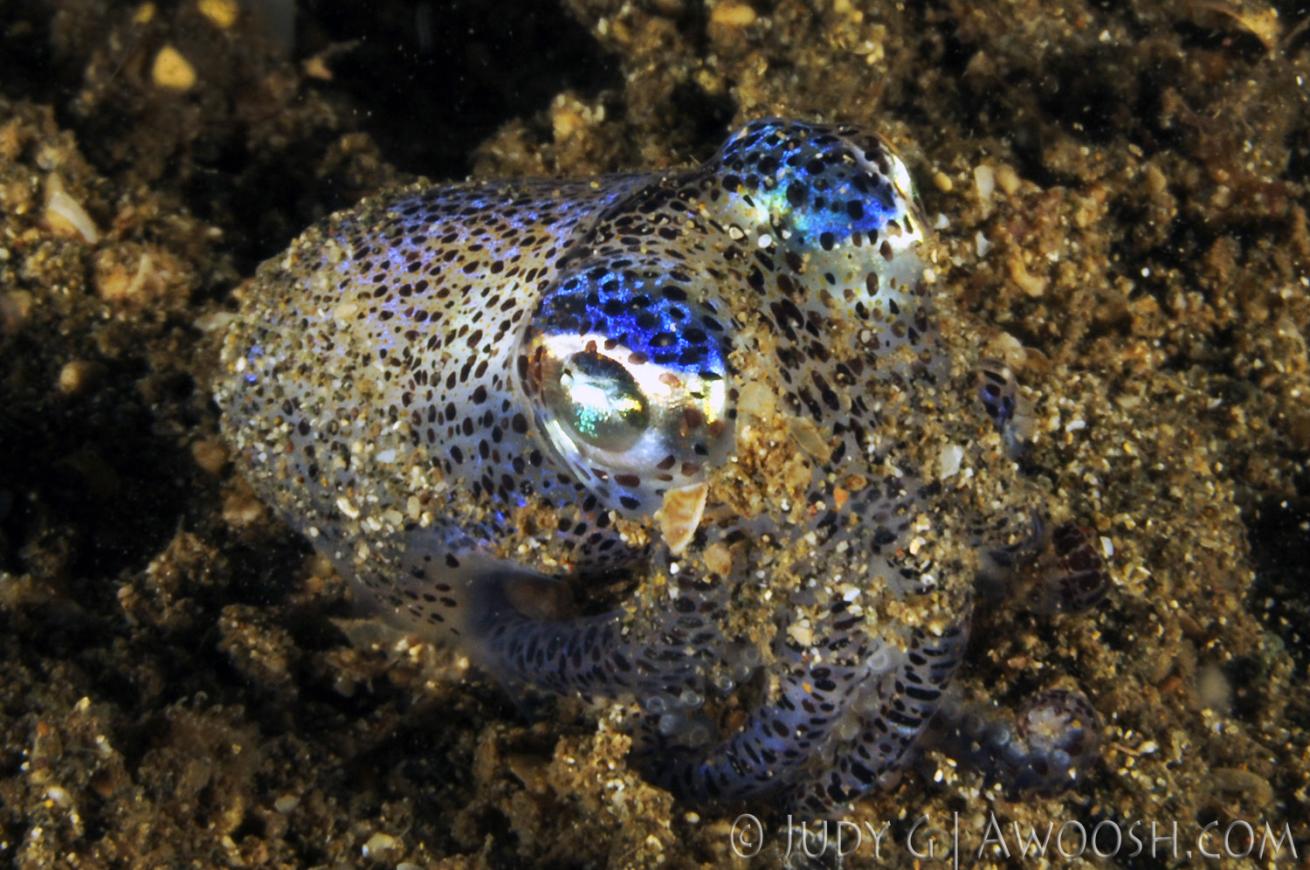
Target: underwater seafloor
182 682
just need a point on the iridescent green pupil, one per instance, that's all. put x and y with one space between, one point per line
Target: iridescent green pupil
600 401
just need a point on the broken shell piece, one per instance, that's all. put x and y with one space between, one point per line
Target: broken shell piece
808 438
65 215
948 460
1258 19
680 515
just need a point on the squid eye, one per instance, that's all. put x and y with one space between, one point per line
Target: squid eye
599 401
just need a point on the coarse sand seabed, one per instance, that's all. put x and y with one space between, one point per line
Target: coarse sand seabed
183 682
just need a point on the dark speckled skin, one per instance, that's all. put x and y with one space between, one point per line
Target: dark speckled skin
393 389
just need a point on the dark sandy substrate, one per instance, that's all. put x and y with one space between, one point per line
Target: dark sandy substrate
178 683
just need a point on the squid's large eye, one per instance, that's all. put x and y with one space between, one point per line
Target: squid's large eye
599 401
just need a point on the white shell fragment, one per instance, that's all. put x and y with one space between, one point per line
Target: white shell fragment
680 515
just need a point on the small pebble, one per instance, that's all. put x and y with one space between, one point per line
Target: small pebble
221 13
718 558
77 375
1214 689
800 633
15 308
732 15
984 181
379 845
1007 179
60 796
210 455
172 71
1156 182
